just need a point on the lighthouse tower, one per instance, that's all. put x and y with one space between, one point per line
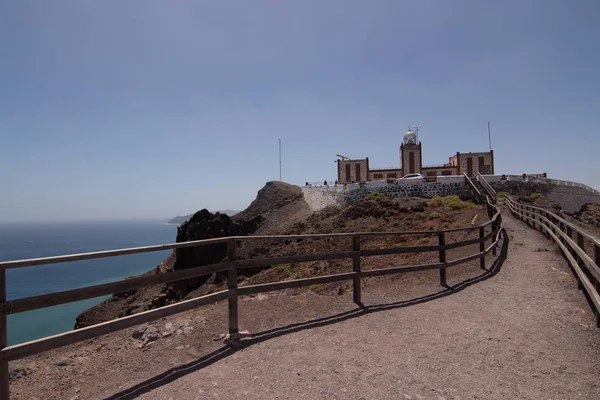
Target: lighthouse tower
410 152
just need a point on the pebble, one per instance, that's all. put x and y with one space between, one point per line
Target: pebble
62 361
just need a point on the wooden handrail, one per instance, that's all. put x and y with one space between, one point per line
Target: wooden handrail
573 251
205 242
473 189
486 185
574 227
231 265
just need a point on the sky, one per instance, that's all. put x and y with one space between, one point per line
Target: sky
139 109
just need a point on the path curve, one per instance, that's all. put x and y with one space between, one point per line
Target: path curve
527 333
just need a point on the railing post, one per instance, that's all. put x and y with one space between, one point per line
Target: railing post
442 244
597 283
232 277
495 229
581 245
356 289
482 247
4 389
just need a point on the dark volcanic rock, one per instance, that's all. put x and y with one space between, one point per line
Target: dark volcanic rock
275 205
205 225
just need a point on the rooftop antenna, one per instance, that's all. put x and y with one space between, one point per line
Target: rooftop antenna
280 160
416 128
489 136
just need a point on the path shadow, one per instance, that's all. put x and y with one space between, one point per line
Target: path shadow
225 351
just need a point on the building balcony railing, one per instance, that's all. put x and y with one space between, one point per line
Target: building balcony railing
439 166
384 169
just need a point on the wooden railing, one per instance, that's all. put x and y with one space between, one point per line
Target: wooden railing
572 241
231 266
489 190
473 190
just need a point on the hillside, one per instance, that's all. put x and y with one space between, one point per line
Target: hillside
279 208
275 204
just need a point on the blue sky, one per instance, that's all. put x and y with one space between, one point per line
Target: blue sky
133 109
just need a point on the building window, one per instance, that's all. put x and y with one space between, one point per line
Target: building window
377 176
348 177
392 175
358 177
446 172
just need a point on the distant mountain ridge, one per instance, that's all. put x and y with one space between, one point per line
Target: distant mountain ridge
181 219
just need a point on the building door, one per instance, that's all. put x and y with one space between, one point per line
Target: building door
411 162
469 166
483 169
358 173
348 177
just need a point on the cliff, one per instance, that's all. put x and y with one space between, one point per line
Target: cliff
280 209
275 204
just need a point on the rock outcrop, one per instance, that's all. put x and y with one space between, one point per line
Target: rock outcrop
276 205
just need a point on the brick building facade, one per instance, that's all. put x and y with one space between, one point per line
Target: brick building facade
411 162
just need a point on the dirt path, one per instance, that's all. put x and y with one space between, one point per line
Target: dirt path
525 333
521 330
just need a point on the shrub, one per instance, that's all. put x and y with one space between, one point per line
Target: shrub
537 196
419 215
454 202
423 241
285 268
435 202
501 194
377 196
435 215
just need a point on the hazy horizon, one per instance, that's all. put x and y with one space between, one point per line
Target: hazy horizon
143 109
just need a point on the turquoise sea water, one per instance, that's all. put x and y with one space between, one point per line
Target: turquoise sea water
32 240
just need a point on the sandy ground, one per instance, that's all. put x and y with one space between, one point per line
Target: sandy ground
519 330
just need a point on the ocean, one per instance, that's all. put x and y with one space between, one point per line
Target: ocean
33 240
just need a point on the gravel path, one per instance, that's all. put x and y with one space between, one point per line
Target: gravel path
526 333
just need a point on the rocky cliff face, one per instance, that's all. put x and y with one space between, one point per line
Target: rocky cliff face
276 205
205 225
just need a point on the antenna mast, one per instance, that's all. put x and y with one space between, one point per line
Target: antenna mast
416 128
280 160
489 136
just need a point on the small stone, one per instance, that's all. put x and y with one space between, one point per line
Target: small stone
62 361
188 330
77 390
234 339
168 330
150 335
139 331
